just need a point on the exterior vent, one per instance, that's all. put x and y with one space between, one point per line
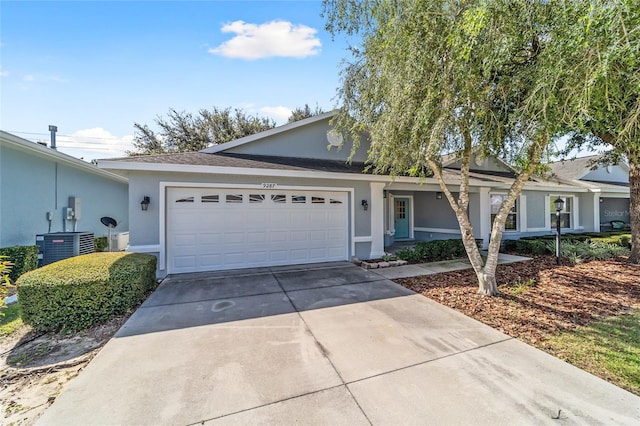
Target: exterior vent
63 245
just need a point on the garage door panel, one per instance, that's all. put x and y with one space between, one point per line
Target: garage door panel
234 237
211 238
210 260
298 235
278 236
215 228
257 237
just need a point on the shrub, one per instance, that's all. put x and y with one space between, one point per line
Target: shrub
100 244
535 247
22 258
5 269
76 293
432 251
578 252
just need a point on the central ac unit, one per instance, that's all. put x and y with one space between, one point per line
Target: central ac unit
63 245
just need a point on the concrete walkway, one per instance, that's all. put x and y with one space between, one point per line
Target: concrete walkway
431 268
323 344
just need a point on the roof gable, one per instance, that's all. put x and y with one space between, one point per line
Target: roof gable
32 148
479 163
583 169
309 138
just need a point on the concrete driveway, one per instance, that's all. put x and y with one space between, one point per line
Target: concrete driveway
323 344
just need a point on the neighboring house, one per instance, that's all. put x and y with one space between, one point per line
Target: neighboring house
609 182
288 195
36 183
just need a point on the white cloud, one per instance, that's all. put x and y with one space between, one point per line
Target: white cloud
39 77
279 113
3 73
271 39
94 143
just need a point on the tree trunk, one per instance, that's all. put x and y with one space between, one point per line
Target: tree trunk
487 284
634 209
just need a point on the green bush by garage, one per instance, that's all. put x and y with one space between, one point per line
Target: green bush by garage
432 251
79 292
23 259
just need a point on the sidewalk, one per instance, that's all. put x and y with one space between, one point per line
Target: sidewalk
407 271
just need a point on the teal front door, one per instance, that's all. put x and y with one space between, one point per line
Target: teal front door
402 209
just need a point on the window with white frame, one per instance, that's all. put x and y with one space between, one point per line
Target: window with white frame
565 214
511 223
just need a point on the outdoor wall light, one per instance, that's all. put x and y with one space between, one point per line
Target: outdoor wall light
145 203
559 203
602 200
365 205
438 195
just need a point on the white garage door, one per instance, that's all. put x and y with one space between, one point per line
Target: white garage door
211 229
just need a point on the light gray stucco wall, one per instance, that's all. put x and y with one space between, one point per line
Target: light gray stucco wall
145 225
536 213
308 141
31 187
433 213
607 174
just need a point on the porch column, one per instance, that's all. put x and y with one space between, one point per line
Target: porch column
596 211
485 216
376 208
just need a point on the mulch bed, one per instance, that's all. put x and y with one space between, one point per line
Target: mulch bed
561 298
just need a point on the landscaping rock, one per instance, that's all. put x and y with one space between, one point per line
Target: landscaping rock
356 261
402 262
383 264
368 265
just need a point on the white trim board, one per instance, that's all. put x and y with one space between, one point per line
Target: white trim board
438 230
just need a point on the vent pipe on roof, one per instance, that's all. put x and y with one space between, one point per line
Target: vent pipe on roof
53 130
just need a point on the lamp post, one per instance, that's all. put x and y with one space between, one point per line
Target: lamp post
559 203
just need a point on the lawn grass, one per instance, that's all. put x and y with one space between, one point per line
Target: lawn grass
609 349
10 321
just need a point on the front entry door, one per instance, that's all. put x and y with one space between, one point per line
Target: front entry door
402 210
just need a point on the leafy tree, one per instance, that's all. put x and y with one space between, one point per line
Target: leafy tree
599 71
300 113
433 77
185 132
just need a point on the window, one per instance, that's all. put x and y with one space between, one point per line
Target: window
401 209
332 201
565 214
317 200
511 224
234 198
185 200
279 198
256 198
298 199
210 198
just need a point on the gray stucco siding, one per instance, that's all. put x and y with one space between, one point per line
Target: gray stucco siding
304 142
33 186
536 212
431 212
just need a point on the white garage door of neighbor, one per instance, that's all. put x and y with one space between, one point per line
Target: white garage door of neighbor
211 229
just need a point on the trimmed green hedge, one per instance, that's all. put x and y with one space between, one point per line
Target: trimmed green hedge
76 293
23 259
432 251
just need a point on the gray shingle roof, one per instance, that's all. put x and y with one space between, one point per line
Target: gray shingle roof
225 159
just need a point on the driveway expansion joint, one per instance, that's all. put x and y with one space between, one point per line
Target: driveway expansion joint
430 360
201 422
323 350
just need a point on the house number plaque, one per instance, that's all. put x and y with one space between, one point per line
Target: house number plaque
266 185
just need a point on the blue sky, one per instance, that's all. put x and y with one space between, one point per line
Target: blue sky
95 68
